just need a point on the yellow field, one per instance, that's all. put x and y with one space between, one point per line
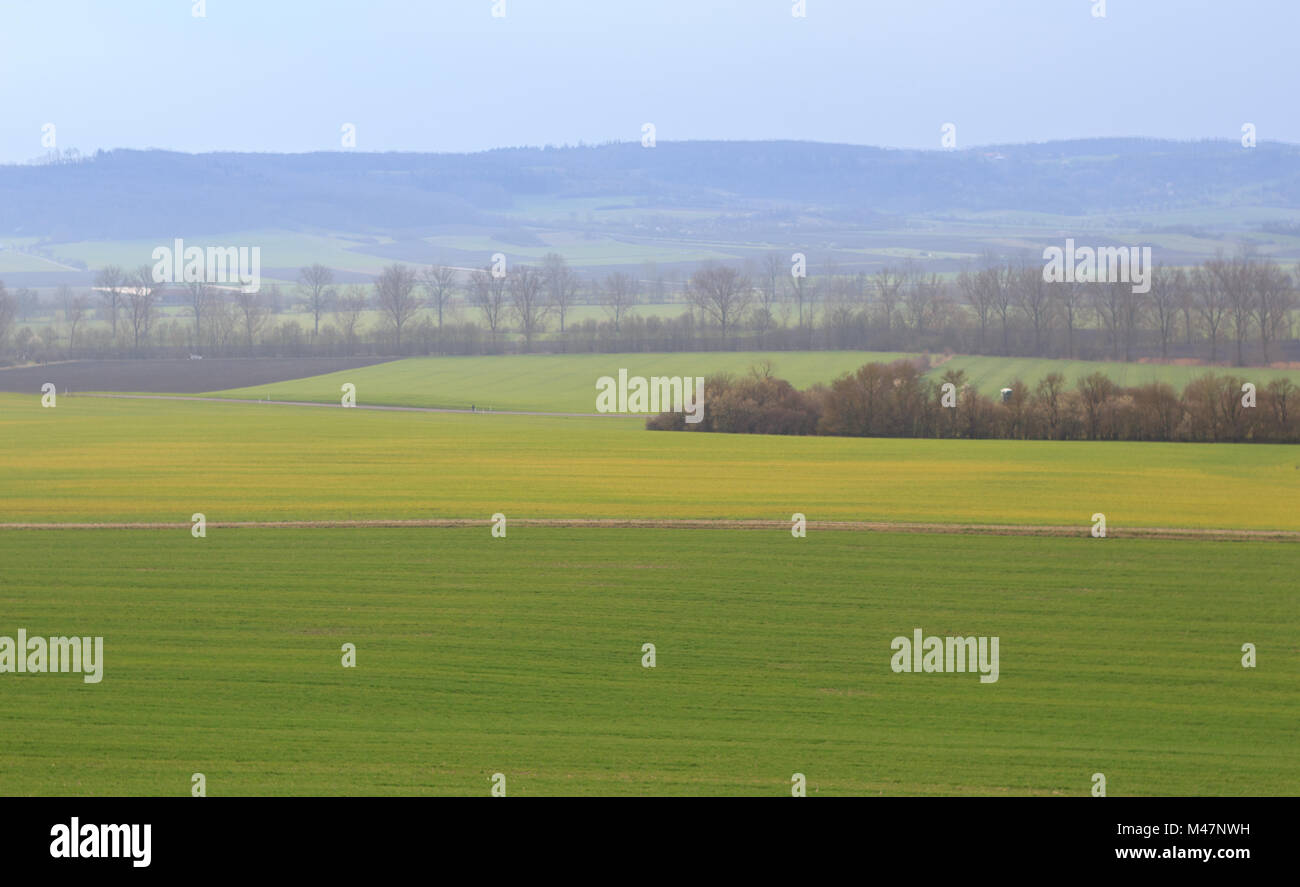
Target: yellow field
106 460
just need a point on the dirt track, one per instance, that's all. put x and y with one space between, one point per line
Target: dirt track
1217 535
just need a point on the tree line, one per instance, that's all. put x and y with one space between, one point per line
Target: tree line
900 399
1238 308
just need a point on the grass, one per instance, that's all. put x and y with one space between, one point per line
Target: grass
580 250
522 656
545 382
12 261
280 249
989 374
92 459
566 382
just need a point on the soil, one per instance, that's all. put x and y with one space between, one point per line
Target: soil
171 376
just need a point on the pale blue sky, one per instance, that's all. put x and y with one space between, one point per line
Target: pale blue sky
444 75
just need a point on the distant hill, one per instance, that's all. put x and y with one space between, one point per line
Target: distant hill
125 193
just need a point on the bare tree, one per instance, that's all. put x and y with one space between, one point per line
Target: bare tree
1187 305
561 285
28 301
254 309
528 300
438 281
1273 301
314 282
1210 303
974 289
860 286
618 296
1165 287
141 300
722 293
1133 305
799 292
1035 301
1071 296
988 292
1108 302
222 318
921 296
395 296
111 281
1120 309
74 310
487 291
200 296
349 311
841 301
998 281
1235 277
8 311
818 292
888 286
772 269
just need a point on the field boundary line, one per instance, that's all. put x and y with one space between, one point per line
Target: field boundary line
1084 531
369 406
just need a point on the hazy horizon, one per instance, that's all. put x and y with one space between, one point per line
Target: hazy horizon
285 79
575 146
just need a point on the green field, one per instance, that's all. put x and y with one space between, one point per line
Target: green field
104 460
522 656
280 249
596 232
545 382
566 382
12 260
582 249
989 374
